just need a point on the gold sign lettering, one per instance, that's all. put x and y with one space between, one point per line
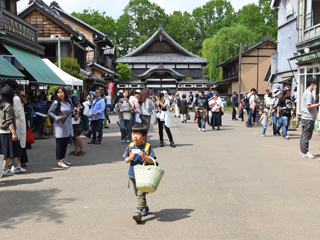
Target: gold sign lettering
14 27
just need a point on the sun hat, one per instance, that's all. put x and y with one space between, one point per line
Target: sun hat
266 110
235 91
137 91
276 92
286 89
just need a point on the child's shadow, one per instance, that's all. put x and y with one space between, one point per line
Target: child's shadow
169 215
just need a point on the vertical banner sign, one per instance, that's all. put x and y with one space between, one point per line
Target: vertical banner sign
110 89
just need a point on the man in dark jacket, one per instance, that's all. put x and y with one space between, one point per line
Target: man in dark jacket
235 104
201 105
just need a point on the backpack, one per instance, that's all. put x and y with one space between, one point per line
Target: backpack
246 102
146 148
178 102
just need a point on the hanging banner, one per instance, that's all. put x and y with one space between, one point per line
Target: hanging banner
110 89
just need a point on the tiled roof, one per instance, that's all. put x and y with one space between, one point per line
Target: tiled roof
185 54
104 69
60 10
247 49
41 4
161 68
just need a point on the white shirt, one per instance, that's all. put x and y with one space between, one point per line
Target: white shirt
215 104
108 98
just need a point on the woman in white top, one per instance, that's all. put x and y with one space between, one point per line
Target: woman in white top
164 119
21 126
216 105
125 107
136 107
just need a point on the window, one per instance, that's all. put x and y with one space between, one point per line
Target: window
312 9
3 4
195 73
138 72
184 72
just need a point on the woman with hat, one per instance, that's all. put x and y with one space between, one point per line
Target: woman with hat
9 142
273 111
20 118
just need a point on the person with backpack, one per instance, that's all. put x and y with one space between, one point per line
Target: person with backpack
177 105
201 104
284 111
273 105
61 112
30 115
235 105
249 104
184 109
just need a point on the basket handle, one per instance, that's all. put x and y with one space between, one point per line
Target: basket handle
154 162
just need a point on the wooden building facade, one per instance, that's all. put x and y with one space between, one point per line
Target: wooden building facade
255 63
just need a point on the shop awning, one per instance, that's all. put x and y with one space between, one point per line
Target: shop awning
35 66
306 56
67 78
7 70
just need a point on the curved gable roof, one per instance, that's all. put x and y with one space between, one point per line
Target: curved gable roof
152 39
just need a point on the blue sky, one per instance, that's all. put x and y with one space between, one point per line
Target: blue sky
114 8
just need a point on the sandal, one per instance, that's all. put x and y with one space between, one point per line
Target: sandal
80 153
72 153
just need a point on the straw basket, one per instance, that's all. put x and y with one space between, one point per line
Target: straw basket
148 177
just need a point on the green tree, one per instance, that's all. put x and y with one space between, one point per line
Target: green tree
183 30
70 66
99 21
124 71
222 46
124 34
213 16
259 18
146 18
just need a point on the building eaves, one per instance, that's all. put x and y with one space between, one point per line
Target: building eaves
161 68
153 37
162 58
103 69
41 4
248 49
102 35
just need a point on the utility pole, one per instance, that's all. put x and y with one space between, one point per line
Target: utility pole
239 77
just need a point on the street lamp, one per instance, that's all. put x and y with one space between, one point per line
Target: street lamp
58 36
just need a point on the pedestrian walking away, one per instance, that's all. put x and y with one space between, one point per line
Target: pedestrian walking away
146 108
264 121
308 118
136 153
273 104
177 104
184 109
163 118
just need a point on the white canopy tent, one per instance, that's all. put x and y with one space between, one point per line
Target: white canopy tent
67 78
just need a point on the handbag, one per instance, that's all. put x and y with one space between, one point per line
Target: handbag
126 116
221 112
148 177
138 120
188 116
30 137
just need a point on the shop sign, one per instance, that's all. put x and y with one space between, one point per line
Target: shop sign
16 27
310 57
110 89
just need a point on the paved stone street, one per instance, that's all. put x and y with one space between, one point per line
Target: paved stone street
228 184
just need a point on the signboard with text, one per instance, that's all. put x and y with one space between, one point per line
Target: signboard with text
110 89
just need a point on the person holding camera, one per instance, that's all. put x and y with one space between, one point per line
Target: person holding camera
61 112
125 106
76 124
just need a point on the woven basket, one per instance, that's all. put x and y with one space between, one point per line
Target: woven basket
148 177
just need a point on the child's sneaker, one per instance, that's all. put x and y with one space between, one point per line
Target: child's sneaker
137 216
145 211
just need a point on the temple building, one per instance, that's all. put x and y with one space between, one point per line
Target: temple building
162 64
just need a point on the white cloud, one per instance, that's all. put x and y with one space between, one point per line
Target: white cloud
114 8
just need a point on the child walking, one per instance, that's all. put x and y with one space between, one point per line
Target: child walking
136 153
264 121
